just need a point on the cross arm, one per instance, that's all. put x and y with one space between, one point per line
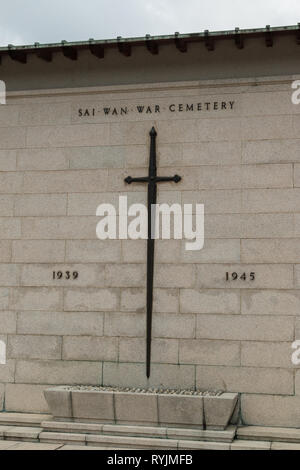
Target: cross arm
175 178
142 179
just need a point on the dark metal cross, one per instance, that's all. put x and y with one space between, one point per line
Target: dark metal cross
151 179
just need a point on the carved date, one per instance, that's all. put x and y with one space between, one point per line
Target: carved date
234 276
65 275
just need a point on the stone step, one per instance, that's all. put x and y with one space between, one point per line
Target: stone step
20 433
22 419
140 431
260 433
120 442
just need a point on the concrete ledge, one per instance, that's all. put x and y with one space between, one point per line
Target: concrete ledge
269 434
180 411
92 405
22 419
140 431
142 408
60 401
219 410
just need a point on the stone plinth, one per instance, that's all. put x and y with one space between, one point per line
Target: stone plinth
199 410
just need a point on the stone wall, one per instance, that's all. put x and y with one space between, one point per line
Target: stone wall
242 163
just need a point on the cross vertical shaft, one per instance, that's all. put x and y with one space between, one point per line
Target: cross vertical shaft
152 179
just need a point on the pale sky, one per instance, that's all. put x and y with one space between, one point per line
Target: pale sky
29 21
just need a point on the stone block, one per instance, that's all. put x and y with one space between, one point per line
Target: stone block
245 379
23 433
59 402
219 410
260 128
37 298
6 204
133 300
267 176
59 228
134 251
9 274
209 301
209 352
245 327
136 408
36 275
58 372
58 323
97 157
93 251
250 445
10 182
128 275
221 129
86 203
89 348
214 251
35 446
222 226
270 251
219 177
44 114
65 181
34 347
12 137
174 275
165 300
270 200
124 324
267 226
41 205
8 160
201 435
8 322
284 446
162 375
221 201
4 298
135 430
163 350
61 136
90 299
38 251
173 325
267 276
10 228
6 445
270 151
5 251
25 398
42 159
168 251
7 371
180 411
203 445
62 438
206 153
270 410
270 302
262 433
1 396
93 406
266 354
